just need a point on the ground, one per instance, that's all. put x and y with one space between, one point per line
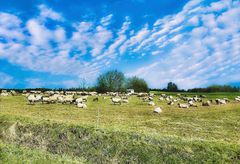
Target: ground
129 133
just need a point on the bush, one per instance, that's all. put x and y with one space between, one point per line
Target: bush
138 84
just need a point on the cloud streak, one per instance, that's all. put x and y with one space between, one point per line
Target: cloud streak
195 47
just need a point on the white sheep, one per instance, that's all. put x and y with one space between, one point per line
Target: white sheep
79 100
151 103
157 110
161 99
125 101
82 105
192 104
220 101
206 103
34 98
116 100
183 105
237 99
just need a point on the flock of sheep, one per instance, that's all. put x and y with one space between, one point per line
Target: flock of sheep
80 98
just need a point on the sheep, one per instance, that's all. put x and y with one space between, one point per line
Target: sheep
206 103
220 101
4 94
178 95
116 100
237 99
227 100
183 105
13 93
161 99
82 105
157 110
68 99
34 98
125 101
84 98
192 104
170 103
151 103
79 100
150 98
95 99
203 96
45 100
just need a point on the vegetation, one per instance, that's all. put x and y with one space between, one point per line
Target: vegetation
216 88
115 81
172 87
13 153
128 133
138 84
111 81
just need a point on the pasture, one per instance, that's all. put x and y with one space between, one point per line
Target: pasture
126 133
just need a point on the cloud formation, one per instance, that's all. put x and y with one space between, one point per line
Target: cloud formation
195 47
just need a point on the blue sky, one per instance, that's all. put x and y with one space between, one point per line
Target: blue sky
56 43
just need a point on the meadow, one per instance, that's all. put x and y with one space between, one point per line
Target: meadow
127 133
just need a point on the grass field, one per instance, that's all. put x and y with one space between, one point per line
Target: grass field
130 133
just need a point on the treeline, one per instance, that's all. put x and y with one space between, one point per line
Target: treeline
116 81
216 88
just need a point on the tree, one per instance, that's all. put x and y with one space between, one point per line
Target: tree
83 84
172 87
138 84
111 81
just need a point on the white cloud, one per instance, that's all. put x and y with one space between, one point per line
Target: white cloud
197 46
200 54
46 12
105 21
40 35
34 83
5 79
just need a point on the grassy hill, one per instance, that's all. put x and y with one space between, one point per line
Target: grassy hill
129 133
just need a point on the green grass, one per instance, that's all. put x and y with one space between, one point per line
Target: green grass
209 134
13 154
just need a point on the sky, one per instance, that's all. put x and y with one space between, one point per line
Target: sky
53 43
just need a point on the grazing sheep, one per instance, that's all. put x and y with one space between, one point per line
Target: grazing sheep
95 99
84 98
151 94
68 99
192 104
4 94
203 96
206 103
237 99
60 99
170 103
226 99
150 98
157 110
151 103
183 105
116 100
79 100
178 95
34 98
161 98
82 105
220 101
45 100
125 101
